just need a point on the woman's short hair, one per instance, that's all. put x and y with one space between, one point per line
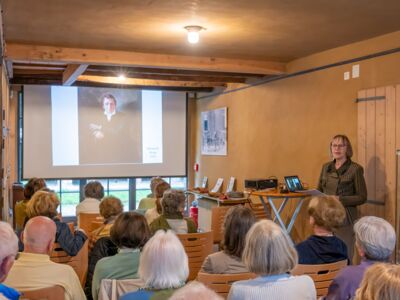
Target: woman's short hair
375 237
8 241
238 220
327 212
94 189
195 290
163 262
345 140
172 202
380 282
153 182
110 206
268 250
32 186
130 230
44 204
160 188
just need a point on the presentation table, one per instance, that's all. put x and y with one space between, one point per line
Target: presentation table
206 204
272 197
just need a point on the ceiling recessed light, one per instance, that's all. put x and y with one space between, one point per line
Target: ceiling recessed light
193 33
121 77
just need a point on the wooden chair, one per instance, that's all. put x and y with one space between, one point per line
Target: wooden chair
217 220
259 211
85 221
197 246
322 275
95 225
50 293
78 262
221 283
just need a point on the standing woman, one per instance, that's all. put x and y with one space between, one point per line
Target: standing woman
345 179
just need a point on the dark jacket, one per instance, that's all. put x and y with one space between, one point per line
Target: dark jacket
347 182
321 250
69 242
102 248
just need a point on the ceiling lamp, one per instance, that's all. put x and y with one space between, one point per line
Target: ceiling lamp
193 33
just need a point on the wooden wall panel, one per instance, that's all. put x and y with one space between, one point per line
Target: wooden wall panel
378 139
390 157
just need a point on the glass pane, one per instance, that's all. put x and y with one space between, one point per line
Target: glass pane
53 185
178 183
140 194
69 185
143 183
119 184
68 203
123 196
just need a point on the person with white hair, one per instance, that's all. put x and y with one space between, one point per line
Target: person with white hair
163 267
375 242
270 254
8 254
195 291
34 269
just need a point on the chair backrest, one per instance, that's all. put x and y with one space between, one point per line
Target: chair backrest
85 221
221 283
259 211
78 262
95 225
197 247
112 289
50 293
322 275
217 220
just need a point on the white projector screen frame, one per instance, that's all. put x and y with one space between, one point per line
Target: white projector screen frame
41 121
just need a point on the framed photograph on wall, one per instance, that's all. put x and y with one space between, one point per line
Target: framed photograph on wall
213 135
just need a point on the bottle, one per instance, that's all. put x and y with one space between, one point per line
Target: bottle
194 212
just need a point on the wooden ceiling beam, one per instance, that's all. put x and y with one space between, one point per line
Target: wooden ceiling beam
147 82
170 77
37 53
72 72
141 70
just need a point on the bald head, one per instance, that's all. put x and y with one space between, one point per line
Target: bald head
39 235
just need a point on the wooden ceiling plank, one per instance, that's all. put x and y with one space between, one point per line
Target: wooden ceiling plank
32 53
72 72
148 82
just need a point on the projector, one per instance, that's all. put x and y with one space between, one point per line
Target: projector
260 184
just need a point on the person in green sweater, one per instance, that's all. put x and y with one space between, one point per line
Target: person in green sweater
173 206
129 233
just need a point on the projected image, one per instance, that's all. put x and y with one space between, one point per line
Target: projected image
103 126
110 126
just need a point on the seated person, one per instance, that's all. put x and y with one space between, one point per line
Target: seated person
45 204
381 282
110 208
129 233
375 242
163 267
94 191
158 191
34 269
326 214
195 291
8 253
33 185
269 253
173 206
238 220
150 201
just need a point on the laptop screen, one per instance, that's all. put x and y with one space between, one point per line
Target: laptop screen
293 183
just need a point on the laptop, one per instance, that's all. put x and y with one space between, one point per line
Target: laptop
293 183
